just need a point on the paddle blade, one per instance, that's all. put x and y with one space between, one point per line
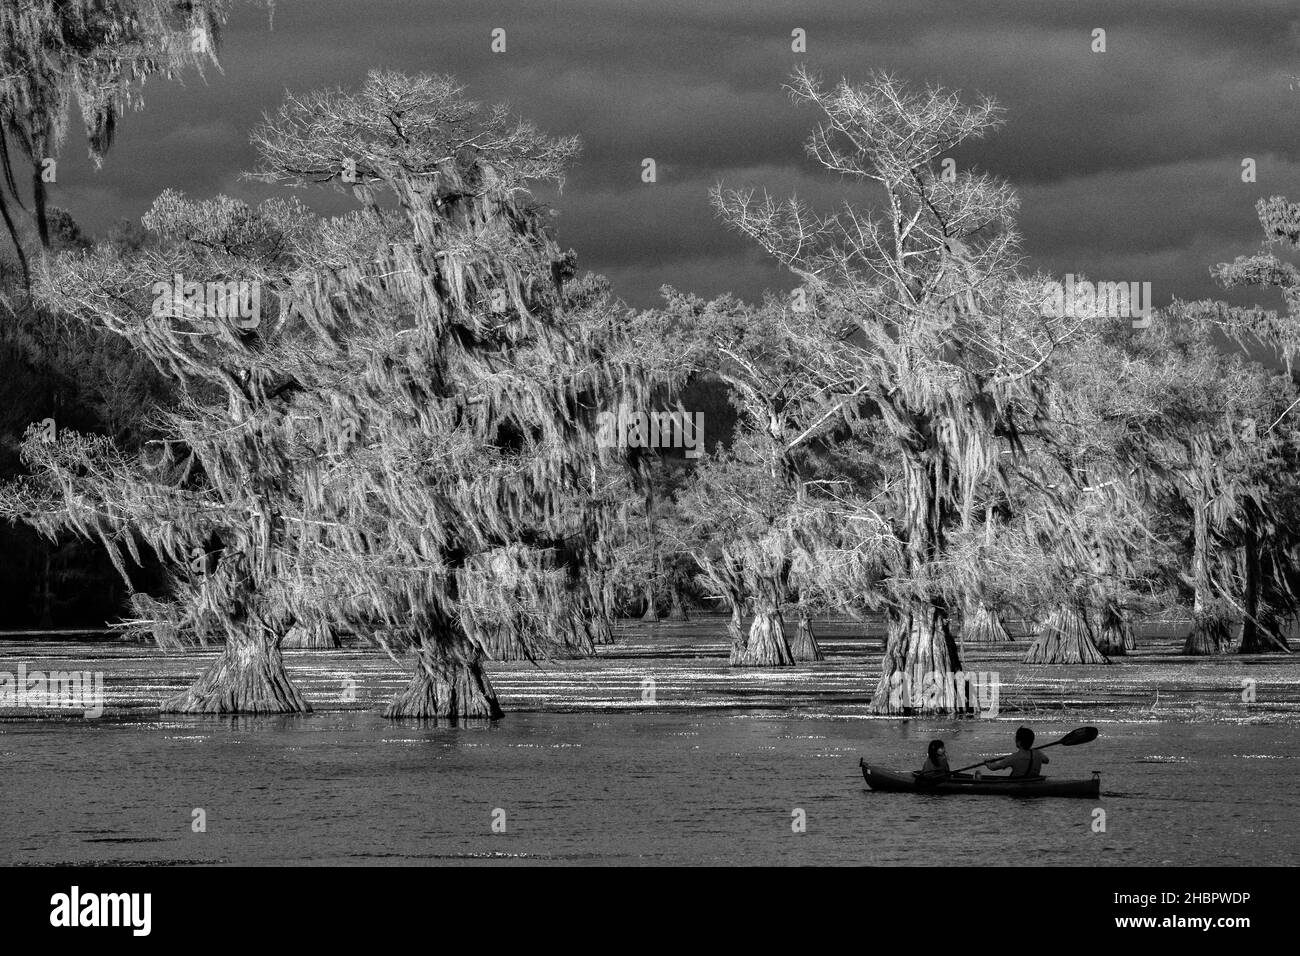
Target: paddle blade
1084 735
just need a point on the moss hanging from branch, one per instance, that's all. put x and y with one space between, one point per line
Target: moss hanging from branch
99 53
886 408
405 436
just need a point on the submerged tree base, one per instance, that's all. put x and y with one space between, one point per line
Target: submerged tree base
805 647
766 646
313 637
500 644
1265 636
601 630
737 634
575 639
448 685
921 665
568 641
1065 638
984 626
1115 637
1208 638
651 613
245 679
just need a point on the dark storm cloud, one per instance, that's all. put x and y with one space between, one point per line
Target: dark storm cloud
1128 161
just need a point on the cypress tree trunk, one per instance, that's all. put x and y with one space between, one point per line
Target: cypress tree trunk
1115 637
651 615
767 645
678 610
17 243
737 635
502 644
1209 636
600 630
315 636
601 624
805 646
572 638
248 678
1261 632
572 635
1264 635
984 626
40 213
1065 638
449 683
921 658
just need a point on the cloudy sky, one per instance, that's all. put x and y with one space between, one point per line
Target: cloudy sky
1128 162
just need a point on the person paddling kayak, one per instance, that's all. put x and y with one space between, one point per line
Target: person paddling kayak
936 760
1025 762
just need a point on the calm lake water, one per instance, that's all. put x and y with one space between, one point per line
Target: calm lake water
584 782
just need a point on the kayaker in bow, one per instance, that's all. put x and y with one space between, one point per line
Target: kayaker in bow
1025 762
936 760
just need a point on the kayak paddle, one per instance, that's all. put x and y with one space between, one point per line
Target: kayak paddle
1082 735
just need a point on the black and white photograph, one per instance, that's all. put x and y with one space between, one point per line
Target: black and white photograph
655 434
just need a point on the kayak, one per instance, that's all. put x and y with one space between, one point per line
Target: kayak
905 781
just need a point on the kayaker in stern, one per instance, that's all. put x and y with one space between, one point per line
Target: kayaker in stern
1025 762
936 760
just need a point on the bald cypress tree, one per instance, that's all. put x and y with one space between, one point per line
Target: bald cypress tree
919 321
1270 561
476 410
410 434
214 508
746 510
